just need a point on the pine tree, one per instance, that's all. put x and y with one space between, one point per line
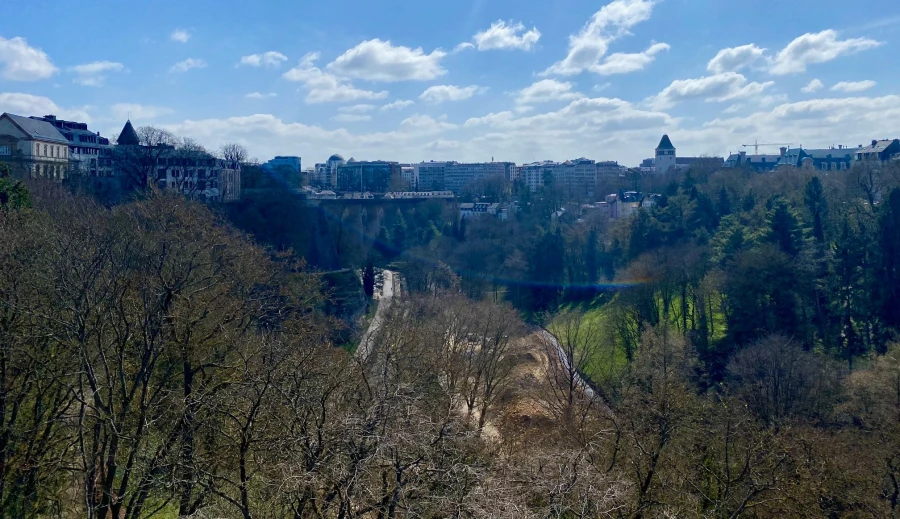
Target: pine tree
591 262
784 228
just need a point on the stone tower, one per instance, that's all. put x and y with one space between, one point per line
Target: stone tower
665 156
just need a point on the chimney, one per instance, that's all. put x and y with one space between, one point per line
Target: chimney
783 151
874 143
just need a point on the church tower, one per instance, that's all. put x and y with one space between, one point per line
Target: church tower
665 156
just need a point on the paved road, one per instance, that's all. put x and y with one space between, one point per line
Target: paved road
384 302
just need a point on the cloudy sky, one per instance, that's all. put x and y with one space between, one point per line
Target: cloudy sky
465 80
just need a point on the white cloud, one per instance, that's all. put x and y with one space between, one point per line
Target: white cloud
425 124
270 59
546 90
324 87
611 22
735 58
719 87
260 95
188 64
180 35
138 112
28 105
733 109
361 108
622 63
377 60
94 74
443 93
853 86
351 118
814 48
502 35
812 123
463 46
399 104
813 86
21 62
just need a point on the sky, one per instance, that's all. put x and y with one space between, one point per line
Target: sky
467 80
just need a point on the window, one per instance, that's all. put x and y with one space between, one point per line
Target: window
5 150
45 150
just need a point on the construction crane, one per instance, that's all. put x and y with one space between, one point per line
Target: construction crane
757 144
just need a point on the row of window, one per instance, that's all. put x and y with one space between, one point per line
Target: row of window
5 150
58 152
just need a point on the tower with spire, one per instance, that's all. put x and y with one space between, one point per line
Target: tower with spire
665 156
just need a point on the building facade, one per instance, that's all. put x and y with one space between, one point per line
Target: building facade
33 147
284 162
759 163
879 151
89 153
430 175
459 175
367 176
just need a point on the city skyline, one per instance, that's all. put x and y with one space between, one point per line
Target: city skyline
466 82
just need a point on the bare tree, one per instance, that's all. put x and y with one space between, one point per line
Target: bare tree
234 154
576 344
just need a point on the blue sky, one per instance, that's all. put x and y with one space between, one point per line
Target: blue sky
465 80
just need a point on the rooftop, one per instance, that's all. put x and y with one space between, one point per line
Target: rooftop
128 137
665 143
37 129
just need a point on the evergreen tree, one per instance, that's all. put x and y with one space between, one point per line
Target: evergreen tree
889 251
723 204
814 198
784 228
462 229
369 278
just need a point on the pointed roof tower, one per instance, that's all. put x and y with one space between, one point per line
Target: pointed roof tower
128 137
665 144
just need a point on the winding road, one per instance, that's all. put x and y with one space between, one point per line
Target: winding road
384 302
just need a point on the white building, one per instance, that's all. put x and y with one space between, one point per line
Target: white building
459 175
665 156
33 147
579 175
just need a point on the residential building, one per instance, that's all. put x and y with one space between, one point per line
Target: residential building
609 169
193 172
33 147
430 175
459 175
89 153
665 156
539 174
882 151
759 163
829 159
578 176
367 176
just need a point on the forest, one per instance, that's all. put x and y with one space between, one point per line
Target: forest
730 352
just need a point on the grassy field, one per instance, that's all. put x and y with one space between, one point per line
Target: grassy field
611 359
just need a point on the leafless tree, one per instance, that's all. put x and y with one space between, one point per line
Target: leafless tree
234 154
